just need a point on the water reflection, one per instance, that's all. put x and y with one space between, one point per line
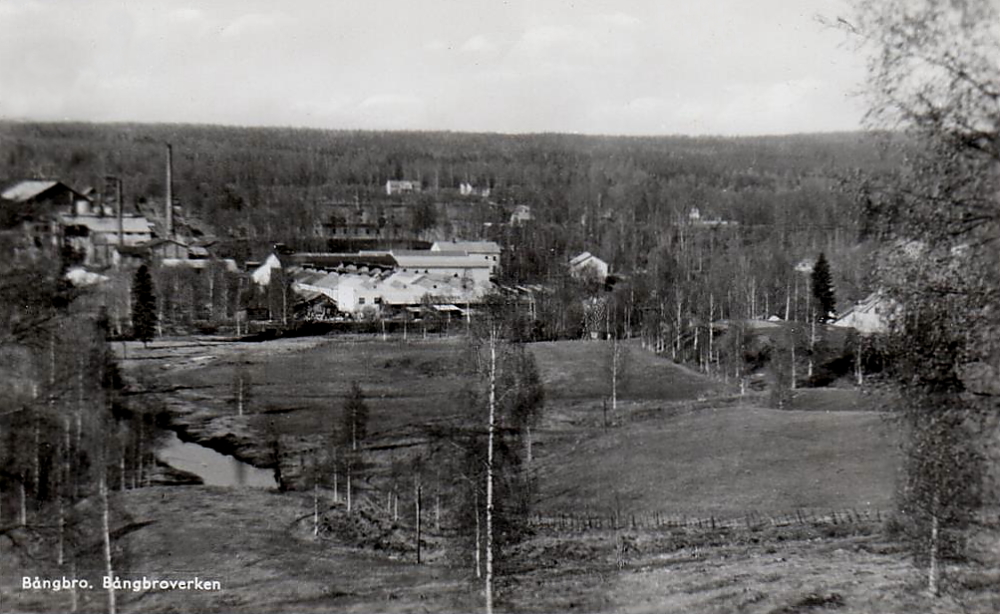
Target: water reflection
213 468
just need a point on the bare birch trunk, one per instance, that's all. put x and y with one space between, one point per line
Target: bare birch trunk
793 363
614 376
315 509
711 318
479 547
23 516
932 567
416 499
349 501
64 485
106 530
489 469
239 395
858 372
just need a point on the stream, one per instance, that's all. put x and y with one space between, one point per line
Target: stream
213 468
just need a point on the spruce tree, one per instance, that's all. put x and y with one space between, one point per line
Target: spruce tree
822 289
143 306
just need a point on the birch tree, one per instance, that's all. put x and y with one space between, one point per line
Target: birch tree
933 74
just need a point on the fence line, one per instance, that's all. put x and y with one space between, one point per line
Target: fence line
751 520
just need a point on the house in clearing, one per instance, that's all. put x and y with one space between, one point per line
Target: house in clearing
521 215
868 316
588 265
467 189
402 186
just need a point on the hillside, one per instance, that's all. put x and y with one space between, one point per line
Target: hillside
270 184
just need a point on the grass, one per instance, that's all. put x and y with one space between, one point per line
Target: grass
249 541
681 443
728 461
581 370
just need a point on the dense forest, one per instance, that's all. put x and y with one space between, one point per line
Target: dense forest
613 194
765 205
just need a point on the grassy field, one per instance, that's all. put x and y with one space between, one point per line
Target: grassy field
680 444
727 461
255 545
580 370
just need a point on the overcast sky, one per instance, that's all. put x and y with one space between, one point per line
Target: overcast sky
597 67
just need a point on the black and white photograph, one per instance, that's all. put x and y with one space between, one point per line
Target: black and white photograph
500 306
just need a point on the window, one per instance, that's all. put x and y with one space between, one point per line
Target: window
361 300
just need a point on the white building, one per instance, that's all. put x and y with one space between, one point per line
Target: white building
354 293
467 189
868 316
98 235
401 186
587 264
521 215
455 264
485 251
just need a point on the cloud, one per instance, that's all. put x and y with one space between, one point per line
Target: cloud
186 15
618 20
478 44
390 111
254 23
383 101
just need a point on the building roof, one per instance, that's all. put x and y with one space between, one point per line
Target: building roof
581 258
26 190
325 260
437 259
187 263
869 315
109 224
472 247
139 251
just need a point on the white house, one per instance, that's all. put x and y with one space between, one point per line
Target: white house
467 189
868 316
588 264
521 215
400 186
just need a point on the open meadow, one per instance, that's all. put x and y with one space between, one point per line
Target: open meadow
725 504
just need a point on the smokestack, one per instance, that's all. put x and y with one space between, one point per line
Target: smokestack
121 216
170 192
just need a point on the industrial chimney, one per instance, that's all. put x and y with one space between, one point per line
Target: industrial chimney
170 193
121 213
